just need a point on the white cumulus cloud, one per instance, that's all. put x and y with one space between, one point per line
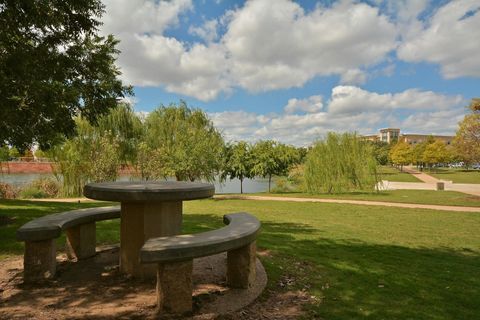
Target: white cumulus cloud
349 109
310 105
449 38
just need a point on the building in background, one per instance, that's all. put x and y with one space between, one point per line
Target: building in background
390 135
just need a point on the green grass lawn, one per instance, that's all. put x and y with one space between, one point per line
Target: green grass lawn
448 198
361 262
394 174
456 175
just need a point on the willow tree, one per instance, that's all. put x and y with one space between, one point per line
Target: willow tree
124 126
181 142
95 153
340 163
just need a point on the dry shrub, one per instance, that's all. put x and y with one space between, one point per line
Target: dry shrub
8 191
48 186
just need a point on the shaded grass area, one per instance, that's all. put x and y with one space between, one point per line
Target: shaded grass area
393 174
456 175
447 198
361 262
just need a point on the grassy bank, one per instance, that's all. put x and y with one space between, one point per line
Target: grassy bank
447 198
456 175
359 261
393 174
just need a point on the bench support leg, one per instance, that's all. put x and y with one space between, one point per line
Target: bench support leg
81 241
140 222
174 287
241 267
39 261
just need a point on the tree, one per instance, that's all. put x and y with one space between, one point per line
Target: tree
53 67
182 143
4 153
272 158
125 127
90 156
266 160
435 153
467 138
401 154
237 162
381 151
341 162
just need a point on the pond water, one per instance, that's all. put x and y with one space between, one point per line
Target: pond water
229 186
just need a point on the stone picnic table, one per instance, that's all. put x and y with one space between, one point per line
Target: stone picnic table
149 209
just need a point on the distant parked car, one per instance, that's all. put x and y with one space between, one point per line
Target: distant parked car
476 166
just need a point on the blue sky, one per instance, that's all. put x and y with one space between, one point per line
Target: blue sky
294 70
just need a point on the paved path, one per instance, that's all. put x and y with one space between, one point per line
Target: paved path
359 202
420 175
429 183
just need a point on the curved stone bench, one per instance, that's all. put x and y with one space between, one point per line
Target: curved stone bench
175 255
39 236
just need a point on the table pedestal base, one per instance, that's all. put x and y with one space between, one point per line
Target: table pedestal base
140 222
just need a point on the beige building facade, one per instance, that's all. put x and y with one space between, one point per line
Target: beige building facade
390 135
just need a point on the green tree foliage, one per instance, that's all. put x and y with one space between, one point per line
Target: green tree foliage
272 158
467 138
90 156
14 153
4 153
127 129
340 163
53 67
436 153
401 154
238 162
381 151
182 143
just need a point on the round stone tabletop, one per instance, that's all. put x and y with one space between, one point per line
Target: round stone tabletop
148 191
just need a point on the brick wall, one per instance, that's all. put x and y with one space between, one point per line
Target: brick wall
26 167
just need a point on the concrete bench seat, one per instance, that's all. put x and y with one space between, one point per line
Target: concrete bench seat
175 255
39 236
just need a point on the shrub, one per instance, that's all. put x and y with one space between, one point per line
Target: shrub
8 191
31 192
41 188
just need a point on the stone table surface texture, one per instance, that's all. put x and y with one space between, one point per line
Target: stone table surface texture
148 191
149 209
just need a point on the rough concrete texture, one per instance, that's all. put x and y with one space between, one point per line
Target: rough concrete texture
39 260
81 241
51 226
241 267
148 191
242 229
174 287
140 222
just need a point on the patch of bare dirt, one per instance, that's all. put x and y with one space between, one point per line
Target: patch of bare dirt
94 289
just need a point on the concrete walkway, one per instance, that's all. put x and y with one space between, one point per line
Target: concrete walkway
420 175
358 202
293 199
429 183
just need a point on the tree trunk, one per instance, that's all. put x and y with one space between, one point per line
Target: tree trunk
241 185
269 182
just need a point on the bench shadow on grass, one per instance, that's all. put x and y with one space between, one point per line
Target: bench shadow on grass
376 281
359 280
